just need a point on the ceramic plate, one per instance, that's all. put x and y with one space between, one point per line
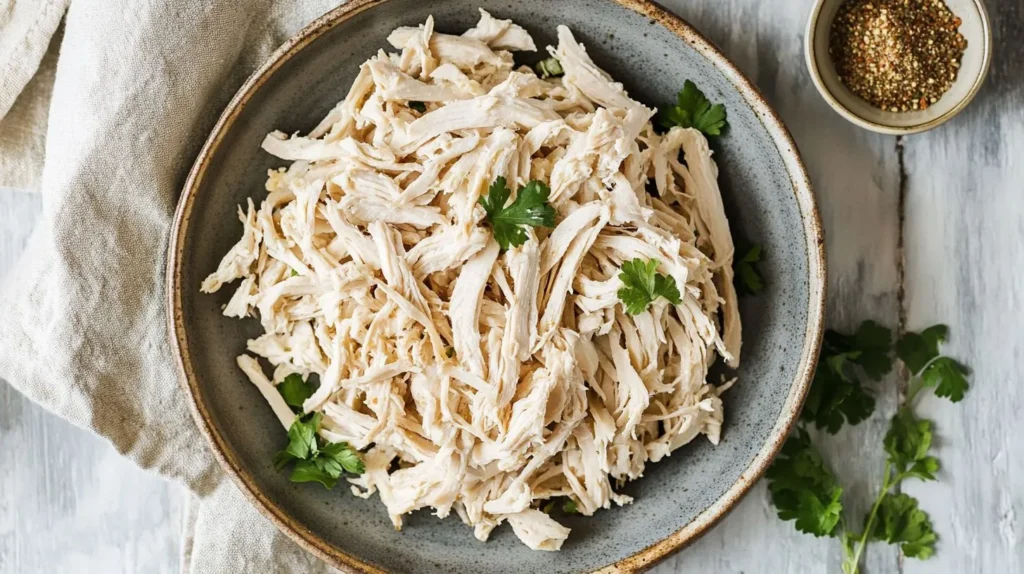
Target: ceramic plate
767 196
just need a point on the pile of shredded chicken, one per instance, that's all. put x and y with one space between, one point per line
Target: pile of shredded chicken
476 380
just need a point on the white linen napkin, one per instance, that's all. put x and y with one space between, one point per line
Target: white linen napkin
139 84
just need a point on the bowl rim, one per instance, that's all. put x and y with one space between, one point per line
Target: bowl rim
642 559
814 67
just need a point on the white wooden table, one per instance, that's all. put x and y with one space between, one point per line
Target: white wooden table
921 230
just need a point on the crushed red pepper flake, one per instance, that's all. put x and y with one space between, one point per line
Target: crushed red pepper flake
898 55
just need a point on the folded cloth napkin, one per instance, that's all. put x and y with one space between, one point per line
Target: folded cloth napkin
139 84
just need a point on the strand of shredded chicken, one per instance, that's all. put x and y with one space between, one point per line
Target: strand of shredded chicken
476 380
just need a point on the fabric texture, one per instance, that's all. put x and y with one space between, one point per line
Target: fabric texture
23 128
138 85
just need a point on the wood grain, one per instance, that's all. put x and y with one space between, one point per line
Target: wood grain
965 267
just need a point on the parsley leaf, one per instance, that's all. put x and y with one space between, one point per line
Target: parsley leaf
748 279
345 456
835 396
907 444
529 208
295 391
870 348
900 521
803 489
948 377
917 349
920 353
418 106
316 462
570 507
313 471
693 110
549 68
302 442
642 284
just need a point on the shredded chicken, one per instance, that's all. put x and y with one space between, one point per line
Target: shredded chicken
473 379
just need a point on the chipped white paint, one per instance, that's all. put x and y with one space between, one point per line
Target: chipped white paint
68 503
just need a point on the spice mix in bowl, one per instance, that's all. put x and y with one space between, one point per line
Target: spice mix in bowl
898 66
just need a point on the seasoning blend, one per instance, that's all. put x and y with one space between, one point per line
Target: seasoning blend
898 55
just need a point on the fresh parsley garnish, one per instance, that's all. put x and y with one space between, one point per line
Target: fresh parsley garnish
316 460
916 350
549 68
837 395
529 208
920 353
693 110
418 106
642 284
900 521
748 278
295 391
802 487
907 444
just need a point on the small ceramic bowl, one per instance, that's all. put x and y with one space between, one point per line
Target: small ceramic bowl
973 69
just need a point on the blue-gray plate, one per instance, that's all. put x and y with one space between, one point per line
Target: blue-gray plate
767 196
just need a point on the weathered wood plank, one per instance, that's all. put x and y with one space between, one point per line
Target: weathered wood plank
856 177
68 501
965 267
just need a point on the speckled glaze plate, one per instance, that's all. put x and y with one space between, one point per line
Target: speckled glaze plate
767 195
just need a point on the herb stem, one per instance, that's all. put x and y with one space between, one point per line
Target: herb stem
853 564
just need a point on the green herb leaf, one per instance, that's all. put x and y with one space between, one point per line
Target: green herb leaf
948 377
916 350
907 444
347 457
418 106
282 459
316 462
294 273
900 521
569 507
693 110
302 436
748 279
803 489
295 391
870 348
835 397
313 471
642 284
549 68
529 208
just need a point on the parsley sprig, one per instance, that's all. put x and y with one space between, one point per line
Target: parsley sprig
295 391
802 487
529 208
694 110
748 279
642 284
315 459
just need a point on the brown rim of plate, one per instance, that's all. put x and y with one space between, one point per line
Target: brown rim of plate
643 559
